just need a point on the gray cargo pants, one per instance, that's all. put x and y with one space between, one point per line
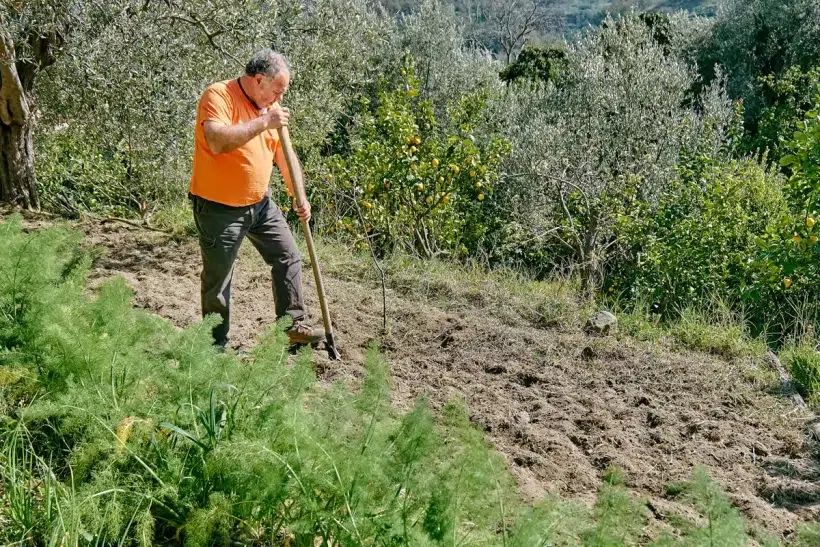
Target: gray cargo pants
221 231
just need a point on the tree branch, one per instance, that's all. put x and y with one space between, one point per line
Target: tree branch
209 35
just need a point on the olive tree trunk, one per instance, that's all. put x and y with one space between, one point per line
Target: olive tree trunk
18 181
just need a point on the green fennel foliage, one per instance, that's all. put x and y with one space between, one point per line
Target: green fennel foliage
118 428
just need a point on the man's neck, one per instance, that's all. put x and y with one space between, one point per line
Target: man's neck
244 84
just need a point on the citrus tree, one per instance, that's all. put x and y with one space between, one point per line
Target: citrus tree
790 259
406 181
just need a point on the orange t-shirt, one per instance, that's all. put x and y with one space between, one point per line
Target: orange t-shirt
236 178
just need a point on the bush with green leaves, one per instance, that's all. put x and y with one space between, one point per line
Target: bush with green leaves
768 50
789 266
788 98
79 175
751 39
404 181
535 65
700 240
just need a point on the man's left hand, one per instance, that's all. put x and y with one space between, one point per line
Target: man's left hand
302 212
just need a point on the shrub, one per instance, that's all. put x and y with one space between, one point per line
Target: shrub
758 38
76 173
535 65
404 181
788 271
700 240
788 98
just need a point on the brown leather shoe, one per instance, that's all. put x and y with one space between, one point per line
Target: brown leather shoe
302 333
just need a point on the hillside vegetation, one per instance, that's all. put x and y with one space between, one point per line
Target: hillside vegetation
483 177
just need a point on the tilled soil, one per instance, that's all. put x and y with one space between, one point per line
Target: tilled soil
560 405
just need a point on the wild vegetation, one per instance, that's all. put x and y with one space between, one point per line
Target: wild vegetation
119 428
667 163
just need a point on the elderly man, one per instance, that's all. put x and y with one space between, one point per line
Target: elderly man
235 145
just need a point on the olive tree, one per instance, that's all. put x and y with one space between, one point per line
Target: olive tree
31 34
447 65
755 38
605 137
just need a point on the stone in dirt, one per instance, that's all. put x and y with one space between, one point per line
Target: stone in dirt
601 323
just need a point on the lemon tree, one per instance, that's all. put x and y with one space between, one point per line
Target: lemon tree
406 181
791 255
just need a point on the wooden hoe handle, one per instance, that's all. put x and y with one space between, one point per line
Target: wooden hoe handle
295 170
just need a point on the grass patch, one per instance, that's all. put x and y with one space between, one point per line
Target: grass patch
717 334
803 361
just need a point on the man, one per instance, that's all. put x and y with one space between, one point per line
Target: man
235 146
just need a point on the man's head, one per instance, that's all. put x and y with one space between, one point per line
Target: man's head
268 77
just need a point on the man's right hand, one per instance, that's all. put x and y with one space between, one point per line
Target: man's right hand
276 118
222 138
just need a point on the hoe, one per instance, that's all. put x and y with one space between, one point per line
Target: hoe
295 170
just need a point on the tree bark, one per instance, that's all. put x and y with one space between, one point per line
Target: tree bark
590 268
18 182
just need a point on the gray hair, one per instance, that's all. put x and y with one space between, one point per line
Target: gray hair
268 63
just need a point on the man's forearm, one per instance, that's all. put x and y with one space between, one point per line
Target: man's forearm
223 138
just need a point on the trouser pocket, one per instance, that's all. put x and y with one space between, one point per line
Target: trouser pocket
207 236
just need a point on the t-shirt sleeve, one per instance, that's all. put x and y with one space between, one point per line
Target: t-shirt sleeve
215 106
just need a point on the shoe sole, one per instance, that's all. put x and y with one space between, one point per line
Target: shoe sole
306 341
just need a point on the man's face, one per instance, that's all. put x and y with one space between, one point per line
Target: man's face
271 90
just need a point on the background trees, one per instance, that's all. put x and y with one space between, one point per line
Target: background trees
592 135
